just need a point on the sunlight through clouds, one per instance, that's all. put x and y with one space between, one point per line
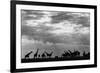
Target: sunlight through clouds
48 26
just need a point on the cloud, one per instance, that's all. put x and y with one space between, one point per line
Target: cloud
56 17
56 27
76 18
59 17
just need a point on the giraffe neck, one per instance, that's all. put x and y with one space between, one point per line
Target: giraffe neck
29 53
37 51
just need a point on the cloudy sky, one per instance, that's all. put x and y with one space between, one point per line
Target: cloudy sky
53 27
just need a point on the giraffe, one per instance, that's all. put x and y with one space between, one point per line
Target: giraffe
49 54
35 55
43 55
27 55
71 54
65 54
39 56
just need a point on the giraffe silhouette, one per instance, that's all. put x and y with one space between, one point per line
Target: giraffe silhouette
35 55
49 54
74 54
27 55
43 55
65 54
39 55
86 54
71 53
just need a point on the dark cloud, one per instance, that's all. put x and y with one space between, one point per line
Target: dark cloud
78 18
84 21
81 18
34 12
60 17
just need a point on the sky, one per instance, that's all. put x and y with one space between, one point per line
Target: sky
55 27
